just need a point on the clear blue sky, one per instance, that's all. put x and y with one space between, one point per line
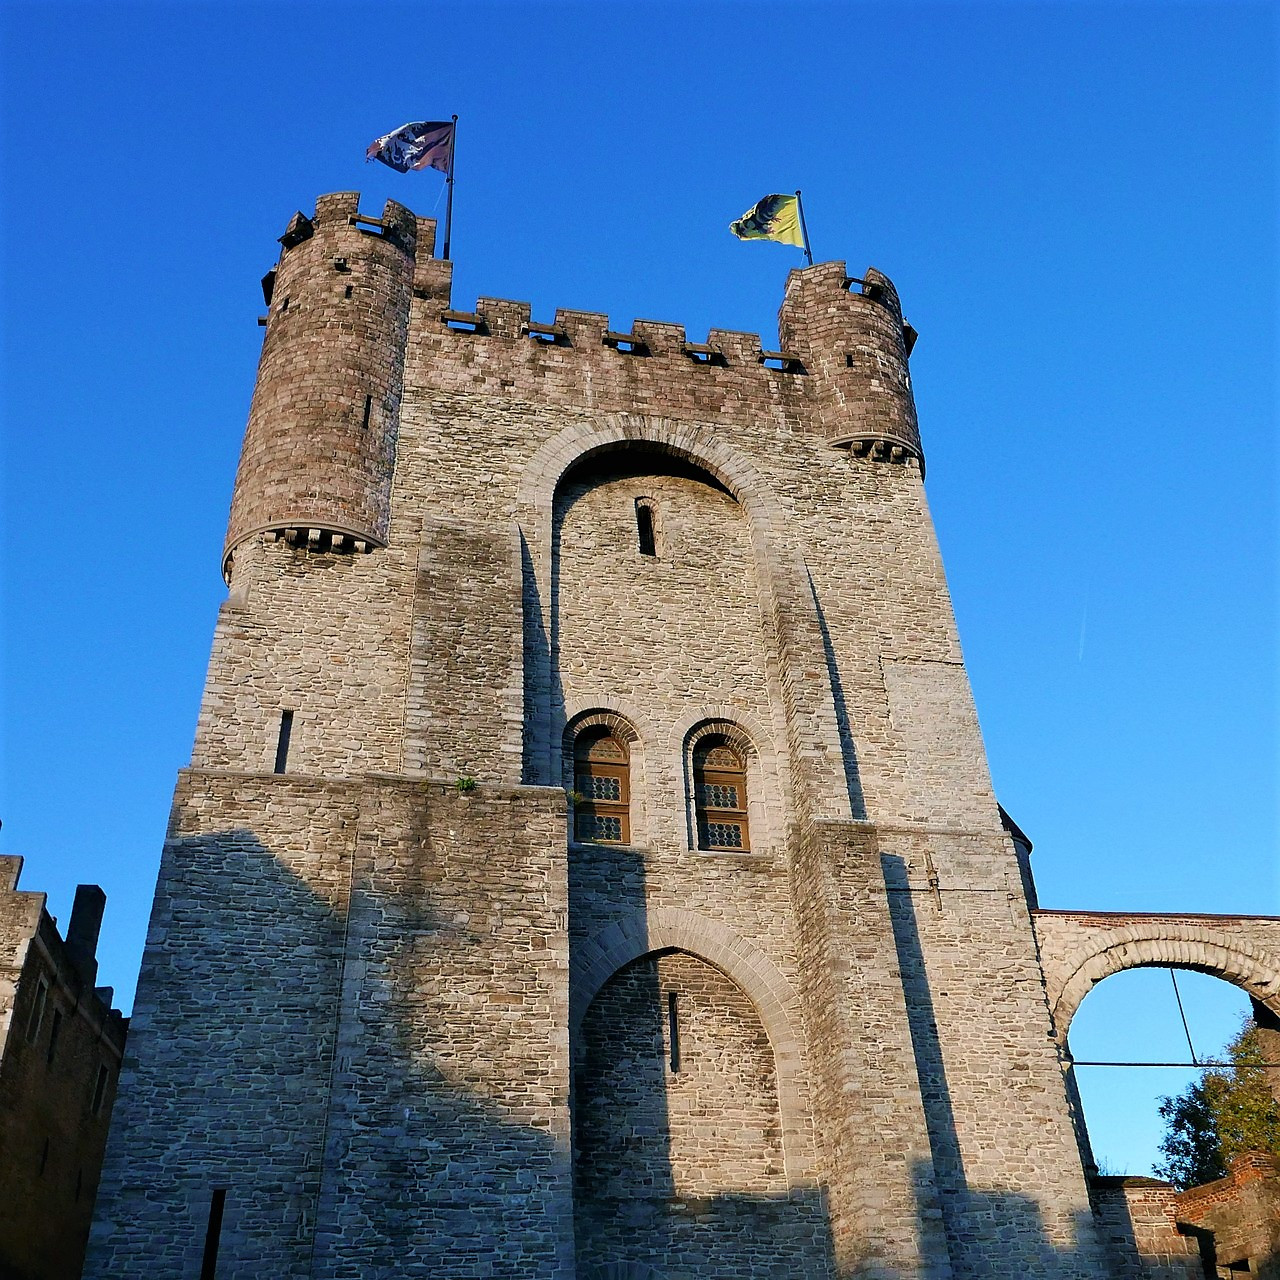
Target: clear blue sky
1077 202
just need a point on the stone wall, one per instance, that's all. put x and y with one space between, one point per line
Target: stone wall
1138 1219
354 985
394 964
1241 1212
678 1149
60 1051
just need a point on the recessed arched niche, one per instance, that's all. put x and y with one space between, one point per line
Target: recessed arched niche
655 601
678 1135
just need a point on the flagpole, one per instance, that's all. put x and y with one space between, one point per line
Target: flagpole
448 207
804 231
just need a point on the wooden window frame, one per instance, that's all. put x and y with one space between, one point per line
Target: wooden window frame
706 815
586 769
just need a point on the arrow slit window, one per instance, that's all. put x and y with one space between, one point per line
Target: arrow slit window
720 795
602 780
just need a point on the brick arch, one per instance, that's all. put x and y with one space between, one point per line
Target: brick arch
595 961
686 440
1164 945
624 719
801 661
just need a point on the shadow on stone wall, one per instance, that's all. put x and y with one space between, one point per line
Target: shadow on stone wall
848 750
543 693
403 1128
988 1232
634 1213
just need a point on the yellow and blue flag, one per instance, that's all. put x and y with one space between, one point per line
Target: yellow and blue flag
772 218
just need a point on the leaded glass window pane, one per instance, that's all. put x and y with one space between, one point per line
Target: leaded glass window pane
719 795
599 826
597 787
724 835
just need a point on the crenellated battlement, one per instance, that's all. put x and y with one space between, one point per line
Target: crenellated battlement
841 365
355 300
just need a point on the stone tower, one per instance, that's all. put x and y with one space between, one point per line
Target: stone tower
588 865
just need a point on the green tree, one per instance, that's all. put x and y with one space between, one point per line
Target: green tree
1229 1111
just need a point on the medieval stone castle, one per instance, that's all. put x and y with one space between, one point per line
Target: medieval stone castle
588 865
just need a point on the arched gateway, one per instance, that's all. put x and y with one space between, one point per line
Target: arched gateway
1080 948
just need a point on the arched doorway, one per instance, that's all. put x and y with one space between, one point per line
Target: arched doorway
1135 1016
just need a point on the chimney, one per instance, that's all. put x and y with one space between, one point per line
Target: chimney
82 932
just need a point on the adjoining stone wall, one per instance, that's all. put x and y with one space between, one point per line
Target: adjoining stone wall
354 1024
19 921
876 1158
226 1083
678 1143
465 690
982 1032
324 636
1138 1219
1242 1212
60 1050
448 1143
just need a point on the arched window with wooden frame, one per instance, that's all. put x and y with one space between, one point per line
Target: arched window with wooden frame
720 794
602 781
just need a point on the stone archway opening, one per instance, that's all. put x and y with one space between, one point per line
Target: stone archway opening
1135 1016
1080 949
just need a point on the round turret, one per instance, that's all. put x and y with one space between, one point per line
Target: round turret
319 449
850 337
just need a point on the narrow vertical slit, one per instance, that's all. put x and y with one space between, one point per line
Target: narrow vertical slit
44 1158
55 1027
368 409
282 742
217 1203
99 1091
644 530
673 1032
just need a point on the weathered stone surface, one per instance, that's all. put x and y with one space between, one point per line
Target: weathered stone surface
370 972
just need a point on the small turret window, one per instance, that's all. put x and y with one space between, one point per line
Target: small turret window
602 780
720 795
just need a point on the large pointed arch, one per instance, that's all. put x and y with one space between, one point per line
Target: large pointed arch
798 675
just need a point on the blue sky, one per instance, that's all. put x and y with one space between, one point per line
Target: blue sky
1077 203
